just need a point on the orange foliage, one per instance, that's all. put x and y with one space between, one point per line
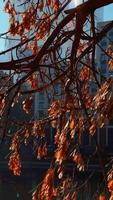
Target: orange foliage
38 129
77 158
85 74
41 151
110 185
14 160
54 4
26 104
2 103
102 197
26 136
93 127
47 190
15 163
33 81
34 195
110 63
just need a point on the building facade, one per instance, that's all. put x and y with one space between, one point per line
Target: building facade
105 135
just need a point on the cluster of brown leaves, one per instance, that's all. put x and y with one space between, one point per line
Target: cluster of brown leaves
109 51
69 125
104 102
15 163
34 195
42 151
61 107
28 20
27 104
47 190
26 136
38 129
61 152
110 182
2 103
110 185
9 8
38 132
62 145
93 127
14 160
76 124
100 98
54 4
87 98
102 197
45 26
73 125
15 142
110 63
34 48
85 74
55 110
77 158
102 106
65 188
80 48
16 99
33 81
70 196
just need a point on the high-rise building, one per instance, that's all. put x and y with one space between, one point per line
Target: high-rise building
98 12
102 61
101 57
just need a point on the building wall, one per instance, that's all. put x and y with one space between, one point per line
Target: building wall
105 136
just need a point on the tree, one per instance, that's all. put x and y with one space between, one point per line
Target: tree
63 53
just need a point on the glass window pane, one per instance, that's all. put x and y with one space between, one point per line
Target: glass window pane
102 136
110 137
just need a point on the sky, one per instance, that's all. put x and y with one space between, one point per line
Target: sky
4 24
4 20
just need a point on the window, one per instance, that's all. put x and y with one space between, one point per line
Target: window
103 43
41 114
103 62
57 89
103 69
94 90
111 34
50 135
85 139
110 137
102 136
103 56
111 73
41 96
111 122
40 83
41 105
